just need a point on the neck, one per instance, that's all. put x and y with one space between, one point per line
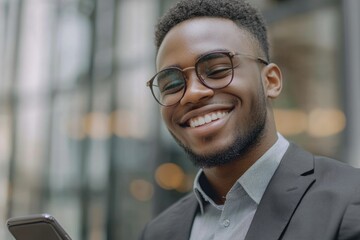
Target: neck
220 179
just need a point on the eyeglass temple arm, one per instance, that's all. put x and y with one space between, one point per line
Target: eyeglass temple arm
263 61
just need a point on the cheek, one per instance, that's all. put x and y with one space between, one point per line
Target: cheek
244 88
166 114
248 81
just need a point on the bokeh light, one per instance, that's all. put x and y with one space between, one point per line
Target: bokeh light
141 190
169 176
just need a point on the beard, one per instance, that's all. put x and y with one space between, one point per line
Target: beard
245 139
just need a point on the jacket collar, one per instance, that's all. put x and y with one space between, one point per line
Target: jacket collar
290 182
287 187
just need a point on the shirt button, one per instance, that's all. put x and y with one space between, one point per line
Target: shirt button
226 223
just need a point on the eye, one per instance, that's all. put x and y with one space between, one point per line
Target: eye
218 71
215 66
170 81
171 87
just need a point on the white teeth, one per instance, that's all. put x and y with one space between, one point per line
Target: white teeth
220 115
198 121
207 118
201 120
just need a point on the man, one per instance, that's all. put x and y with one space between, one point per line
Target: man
215 85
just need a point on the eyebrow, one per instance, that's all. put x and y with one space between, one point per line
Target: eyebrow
214 50
197 58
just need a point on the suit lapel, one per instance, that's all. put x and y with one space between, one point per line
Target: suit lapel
281 198
184 216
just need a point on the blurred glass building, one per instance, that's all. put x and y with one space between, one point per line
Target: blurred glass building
81 137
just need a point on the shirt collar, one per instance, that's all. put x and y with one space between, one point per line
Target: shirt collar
257 177
255 180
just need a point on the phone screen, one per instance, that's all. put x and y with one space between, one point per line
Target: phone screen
36 227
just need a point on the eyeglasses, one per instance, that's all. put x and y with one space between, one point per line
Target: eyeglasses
215 70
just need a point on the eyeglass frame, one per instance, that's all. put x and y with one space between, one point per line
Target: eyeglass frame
201 80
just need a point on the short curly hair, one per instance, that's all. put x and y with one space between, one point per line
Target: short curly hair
239 11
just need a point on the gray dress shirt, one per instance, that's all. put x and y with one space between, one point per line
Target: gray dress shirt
232 220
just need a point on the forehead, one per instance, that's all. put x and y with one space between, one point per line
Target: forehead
188 40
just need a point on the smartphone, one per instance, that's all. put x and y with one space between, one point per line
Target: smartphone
36 227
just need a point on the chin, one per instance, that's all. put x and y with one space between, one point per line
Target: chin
213 155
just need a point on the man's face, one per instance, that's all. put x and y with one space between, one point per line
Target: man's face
238 112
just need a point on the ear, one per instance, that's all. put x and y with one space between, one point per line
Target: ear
272 80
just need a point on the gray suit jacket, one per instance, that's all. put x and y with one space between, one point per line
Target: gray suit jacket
308 197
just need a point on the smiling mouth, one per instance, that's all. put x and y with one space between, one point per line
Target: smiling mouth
207 118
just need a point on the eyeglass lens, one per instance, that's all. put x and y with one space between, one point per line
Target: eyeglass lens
214 70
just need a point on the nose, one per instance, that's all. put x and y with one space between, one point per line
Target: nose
195 91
